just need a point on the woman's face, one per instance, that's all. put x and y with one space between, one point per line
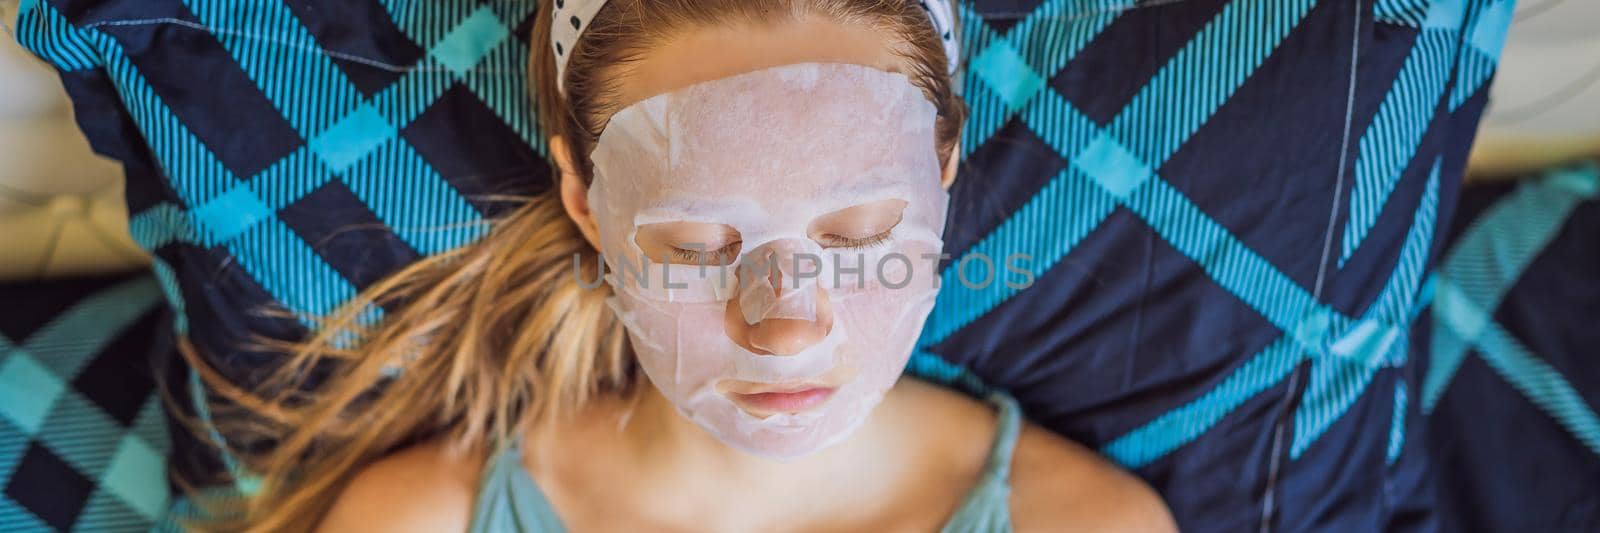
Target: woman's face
771 222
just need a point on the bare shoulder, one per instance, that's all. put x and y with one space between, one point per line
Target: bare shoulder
1058 485
424 488
965 429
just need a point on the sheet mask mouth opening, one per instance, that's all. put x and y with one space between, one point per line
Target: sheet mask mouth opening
764 404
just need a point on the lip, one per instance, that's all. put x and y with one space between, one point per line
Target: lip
782 400
737 386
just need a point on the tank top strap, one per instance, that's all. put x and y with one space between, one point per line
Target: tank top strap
508 499
987 508
1005 438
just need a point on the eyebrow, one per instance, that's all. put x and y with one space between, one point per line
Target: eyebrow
692 208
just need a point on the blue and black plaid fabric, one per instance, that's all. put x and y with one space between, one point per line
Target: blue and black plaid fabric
83 436
1511 387
1228 205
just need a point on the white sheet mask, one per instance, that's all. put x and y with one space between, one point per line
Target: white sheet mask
767 153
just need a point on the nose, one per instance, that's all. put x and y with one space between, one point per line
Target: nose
786 317
779 336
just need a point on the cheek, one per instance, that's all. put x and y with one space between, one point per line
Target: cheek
677 344
884 325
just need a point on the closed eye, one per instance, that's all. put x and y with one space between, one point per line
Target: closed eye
691 243
861 226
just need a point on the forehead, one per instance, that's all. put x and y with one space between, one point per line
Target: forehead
723 48
848 128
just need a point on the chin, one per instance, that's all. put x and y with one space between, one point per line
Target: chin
789 447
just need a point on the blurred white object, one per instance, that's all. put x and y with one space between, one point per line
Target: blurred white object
61 206
1545 104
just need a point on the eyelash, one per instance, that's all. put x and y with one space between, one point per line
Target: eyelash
837 241
725 254
718 256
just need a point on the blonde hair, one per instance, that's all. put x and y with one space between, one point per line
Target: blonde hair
496 338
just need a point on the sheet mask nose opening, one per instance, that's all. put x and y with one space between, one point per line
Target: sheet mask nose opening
778 280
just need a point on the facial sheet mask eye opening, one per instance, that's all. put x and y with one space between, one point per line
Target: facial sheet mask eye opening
766 153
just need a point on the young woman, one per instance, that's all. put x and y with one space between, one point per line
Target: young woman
507 392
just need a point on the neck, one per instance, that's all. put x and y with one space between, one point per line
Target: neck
673 471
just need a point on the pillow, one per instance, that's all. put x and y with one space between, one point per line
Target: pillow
1511 389
83 436
265 162
1225 208
1230 207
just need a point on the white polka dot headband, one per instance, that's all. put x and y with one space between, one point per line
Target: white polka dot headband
572 16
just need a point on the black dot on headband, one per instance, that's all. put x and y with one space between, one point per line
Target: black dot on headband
560 4
575 22
558 48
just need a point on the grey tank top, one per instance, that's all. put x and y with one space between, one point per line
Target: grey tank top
509 501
